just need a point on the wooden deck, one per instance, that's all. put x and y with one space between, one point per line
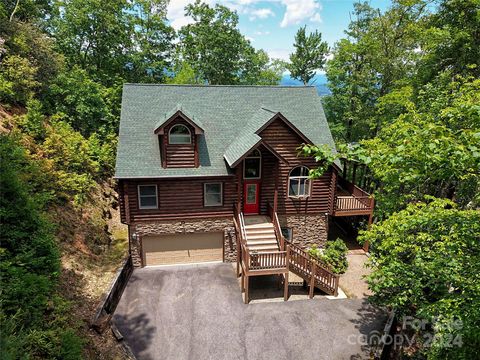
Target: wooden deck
288 258
350 200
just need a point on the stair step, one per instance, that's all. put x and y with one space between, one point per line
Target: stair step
261 241
259 226
260 231
261 237
263 247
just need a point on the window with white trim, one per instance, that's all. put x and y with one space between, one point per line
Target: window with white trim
299 183
147 197
179 134
213 194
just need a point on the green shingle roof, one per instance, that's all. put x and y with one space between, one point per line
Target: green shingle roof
230 116
173 111
247 138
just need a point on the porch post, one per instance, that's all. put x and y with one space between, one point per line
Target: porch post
246 289
354 172
312 280
275 194
285 285
239 189
238 254
275 200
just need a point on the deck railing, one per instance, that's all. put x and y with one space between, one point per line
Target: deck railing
314 271
359 201
268 260
353 203
290 258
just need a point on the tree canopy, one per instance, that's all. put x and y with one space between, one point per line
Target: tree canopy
219 53
404 111
310 55
425 264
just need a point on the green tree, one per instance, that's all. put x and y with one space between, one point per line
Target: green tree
17 79
217 51
153 41
310 55
183 73
352 80
426 264
32 316
81 101
434 151
25 10
450 40
377 57
259 69
95 35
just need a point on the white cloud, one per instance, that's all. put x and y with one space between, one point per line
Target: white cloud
299 10
282 54
176 13
260 13
316 18
260 33
296 11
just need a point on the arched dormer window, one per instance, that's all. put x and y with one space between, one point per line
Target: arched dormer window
179 134
299 183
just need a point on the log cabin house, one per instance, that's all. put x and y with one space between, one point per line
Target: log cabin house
212 173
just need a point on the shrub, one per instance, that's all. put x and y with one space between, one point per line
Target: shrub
334 255
34 321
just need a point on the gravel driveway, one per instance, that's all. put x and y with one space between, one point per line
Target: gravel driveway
196 312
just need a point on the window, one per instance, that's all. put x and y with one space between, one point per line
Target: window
179 134
252 165
299 183
213 194
147 196
287 232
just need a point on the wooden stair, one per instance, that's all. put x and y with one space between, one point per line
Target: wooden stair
261 237
262 250
313 272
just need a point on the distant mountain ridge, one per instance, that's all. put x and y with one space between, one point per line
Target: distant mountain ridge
319 81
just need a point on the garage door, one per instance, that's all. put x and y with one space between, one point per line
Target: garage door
182 248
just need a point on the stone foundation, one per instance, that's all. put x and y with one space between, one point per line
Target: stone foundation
307 230
182 227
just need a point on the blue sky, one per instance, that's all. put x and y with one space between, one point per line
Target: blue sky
272 24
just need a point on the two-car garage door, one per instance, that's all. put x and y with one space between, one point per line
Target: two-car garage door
182 248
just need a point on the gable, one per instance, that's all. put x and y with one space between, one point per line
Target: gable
175 115
249 137
283 139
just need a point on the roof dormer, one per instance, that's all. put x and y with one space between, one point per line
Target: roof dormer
174 115
178 134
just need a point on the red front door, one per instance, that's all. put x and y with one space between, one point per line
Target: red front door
251 197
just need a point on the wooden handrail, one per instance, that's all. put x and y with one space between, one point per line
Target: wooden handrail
359 200
276 226
242 227
352 188
290 258
239 222
267 260
316 272
353 203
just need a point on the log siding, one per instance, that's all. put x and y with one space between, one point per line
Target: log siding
177 199
183 198
179 155
281 138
